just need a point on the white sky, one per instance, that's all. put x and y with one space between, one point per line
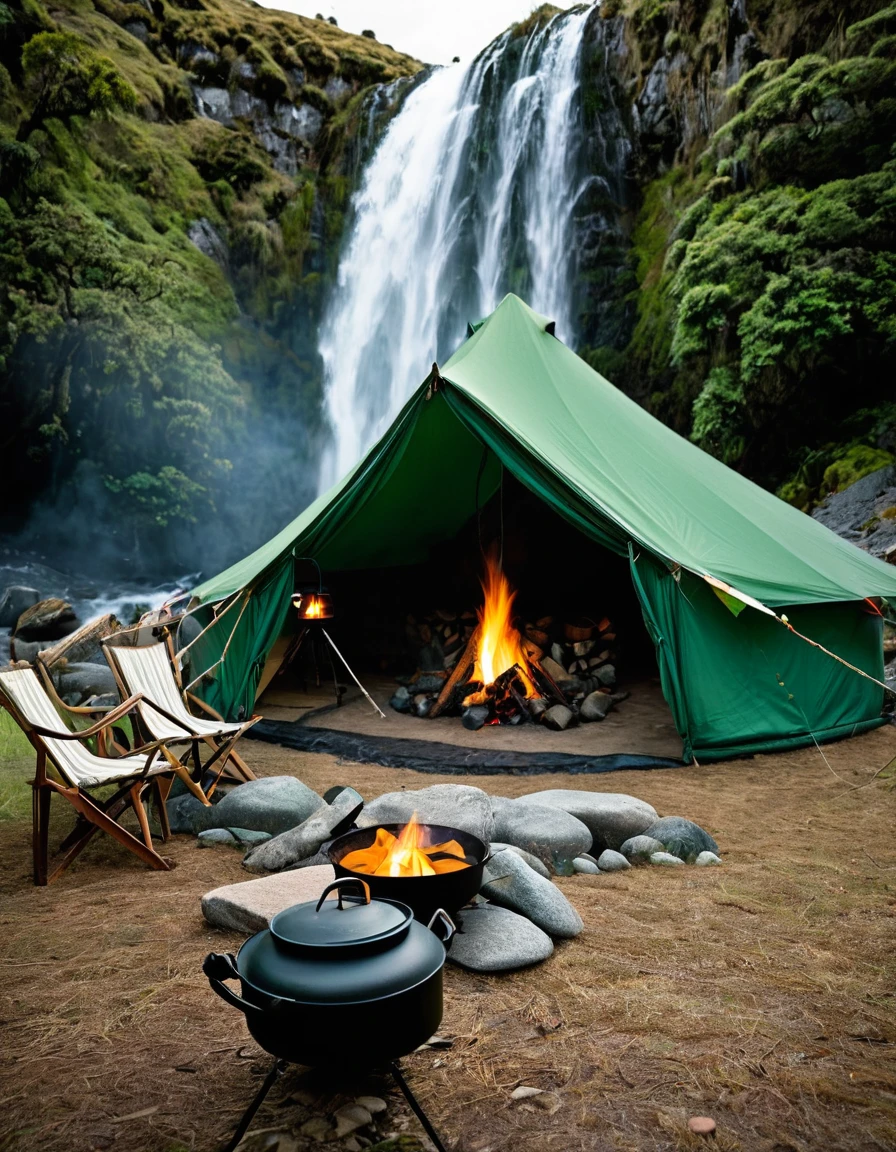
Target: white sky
432 30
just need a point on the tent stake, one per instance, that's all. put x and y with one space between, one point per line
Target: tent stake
353 676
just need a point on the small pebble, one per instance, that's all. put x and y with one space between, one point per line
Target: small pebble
317 1128
588 867
702 1125
665 858
349 1117
524 1092
610 861
548 1102
373 1104
706 859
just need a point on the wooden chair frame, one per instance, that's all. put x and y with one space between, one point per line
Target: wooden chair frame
222 748
94 814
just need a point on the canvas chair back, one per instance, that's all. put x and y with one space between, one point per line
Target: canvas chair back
29 698
147 669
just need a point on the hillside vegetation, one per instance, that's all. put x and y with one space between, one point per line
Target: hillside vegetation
765 244
172 183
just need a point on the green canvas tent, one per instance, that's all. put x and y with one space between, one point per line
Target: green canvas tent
710 553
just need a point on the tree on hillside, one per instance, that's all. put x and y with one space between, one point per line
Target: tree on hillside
70 79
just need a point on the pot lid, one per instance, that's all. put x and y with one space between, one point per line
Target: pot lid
347 922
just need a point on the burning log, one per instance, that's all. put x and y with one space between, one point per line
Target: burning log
458 675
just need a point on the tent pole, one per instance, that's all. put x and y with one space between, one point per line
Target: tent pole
353 676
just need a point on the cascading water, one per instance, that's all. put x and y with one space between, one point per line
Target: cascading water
471 193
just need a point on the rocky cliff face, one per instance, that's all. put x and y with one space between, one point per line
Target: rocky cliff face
173 178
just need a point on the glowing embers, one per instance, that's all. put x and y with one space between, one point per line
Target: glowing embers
406 854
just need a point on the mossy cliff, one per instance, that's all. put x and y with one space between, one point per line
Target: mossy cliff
173 178
756 302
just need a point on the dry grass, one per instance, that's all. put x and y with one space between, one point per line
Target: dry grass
760 993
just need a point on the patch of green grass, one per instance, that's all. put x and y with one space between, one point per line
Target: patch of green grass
16 769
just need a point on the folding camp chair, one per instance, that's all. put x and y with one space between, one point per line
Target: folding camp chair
80 770
149 671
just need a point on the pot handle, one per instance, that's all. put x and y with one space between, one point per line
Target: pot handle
341 883
220 966
441 919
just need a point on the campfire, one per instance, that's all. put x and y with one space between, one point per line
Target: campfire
503 670
406 854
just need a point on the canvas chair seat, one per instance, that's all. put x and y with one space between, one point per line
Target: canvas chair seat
77 765
150 671
151 769
147 669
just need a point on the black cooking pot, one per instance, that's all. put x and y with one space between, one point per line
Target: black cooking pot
425 894
354 982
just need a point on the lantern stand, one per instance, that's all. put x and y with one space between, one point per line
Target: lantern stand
313 608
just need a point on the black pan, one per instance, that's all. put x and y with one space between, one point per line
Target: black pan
423 894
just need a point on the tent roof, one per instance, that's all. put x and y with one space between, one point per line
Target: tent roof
588 449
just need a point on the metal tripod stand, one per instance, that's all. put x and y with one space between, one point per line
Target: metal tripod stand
280 1067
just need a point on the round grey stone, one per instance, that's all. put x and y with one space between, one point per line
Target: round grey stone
15 599
493 939
588 867
611 817
272 804
451 805
707 859
510 882
551 834
682 837
610 861
665 858
531 860
639 849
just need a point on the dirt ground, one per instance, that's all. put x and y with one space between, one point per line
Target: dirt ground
760 993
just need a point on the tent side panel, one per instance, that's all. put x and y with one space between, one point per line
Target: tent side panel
746 684
232 685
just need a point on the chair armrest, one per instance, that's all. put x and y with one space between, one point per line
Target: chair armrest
94 729
75 709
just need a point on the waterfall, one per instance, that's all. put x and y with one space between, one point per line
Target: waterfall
470 194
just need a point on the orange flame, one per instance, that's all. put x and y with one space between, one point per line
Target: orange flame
405 854
500 644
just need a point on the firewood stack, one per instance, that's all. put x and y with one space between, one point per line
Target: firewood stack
571 665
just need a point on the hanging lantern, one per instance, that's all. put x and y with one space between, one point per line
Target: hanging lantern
313 605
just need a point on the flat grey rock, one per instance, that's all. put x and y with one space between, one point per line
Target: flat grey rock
610 861
510 882
584 865
552 835
231 837
611 817
707 859
639 849
531 860
303 841
272 804
665 858
451 805
250 906
493 939
682 837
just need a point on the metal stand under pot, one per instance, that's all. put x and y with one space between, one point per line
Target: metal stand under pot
280 1067
328 970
